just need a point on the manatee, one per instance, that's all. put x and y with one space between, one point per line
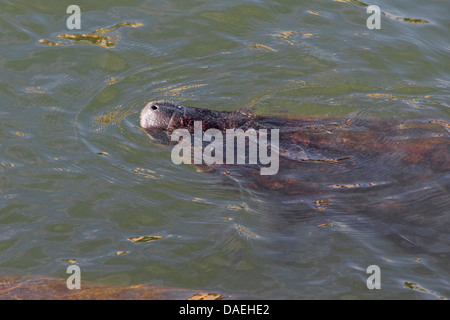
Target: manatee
390 177
392 173
318 154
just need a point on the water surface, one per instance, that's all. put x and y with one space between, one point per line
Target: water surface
81 182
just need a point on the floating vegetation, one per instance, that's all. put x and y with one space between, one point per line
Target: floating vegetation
107 117
415 20
443 123
314 13
325 225
201 200
34 90
147 173
51 43
143 239
8 164
399 18
284 34
321 204
382 95
91 38
353 1
238 208
111 116
245 232
112 80
416 287
345 185
206 296
69 260
98 37
356 185
20 134
262 47
390 16
117 26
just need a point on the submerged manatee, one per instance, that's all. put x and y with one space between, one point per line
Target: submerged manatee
355 149
376 167
393 173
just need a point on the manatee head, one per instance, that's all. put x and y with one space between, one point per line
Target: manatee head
158 115
167 116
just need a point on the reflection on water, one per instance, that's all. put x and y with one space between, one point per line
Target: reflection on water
79 178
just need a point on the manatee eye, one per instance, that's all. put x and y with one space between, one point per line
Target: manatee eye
154 107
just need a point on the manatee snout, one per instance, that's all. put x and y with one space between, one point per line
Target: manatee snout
158 114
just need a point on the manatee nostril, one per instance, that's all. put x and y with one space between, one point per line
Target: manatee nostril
154 107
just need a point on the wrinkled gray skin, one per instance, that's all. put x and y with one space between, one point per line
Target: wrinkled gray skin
157 118
160 118
164 115
159 114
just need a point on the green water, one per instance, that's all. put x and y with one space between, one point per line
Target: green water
80 180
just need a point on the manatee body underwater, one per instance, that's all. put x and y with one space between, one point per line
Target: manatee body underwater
394 171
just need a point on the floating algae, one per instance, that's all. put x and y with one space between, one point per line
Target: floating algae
98 37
